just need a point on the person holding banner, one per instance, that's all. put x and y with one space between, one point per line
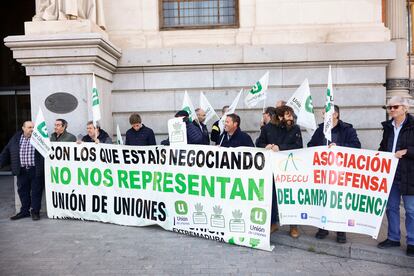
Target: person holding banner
28 165
139 134
344 135
267 116
232 136
201 115
215 129
60 134
281 134
194 135
398 138
96 134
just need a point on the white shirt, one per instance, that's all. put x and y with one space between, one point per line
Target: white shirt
396 133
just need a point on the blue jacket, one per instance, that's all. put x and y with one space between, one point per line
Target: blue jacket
343 134
204 132
194 134
11 155
143 137
238 139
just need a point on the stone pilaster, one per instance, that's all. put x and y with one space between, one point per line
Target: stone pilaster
60 57
398 82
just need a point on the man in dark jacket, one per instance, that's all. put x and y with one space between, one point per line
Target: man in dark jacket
61 134
139 134
28 165
232 136
344 135
201 115
398 138
279 134
194 135
215 129
96 135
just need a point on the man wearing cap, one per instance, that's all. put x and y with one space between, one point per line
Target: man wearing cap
194 135
398 138
27 164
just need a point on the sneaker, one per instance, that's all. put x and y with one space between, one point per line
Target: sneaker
35 215
340 237
321 234
20 216
294 231
410 250
388 243
274 227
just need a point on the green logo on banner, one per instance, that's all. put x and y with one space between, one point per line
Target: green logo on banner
257 88
329 100
95 97
181 207
309 105
42 129
258 216
290 160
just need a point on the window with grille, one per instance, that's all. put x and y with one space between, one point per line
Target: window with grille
178 14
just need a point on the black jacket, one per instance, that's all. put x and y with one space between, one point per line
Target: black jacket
238 139
215 133
103 137
405 141
11 155
343 134
285 138
204 132
143 137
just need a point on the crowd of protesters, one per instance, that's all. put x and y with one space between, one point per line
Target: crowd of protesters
278 132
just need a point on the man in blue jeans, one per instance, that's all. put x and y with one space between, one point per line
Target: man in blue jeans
398 138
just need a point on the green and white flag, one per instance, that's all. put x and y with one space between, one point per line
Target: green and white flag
301 102
231 110
189 107
329 109
258 92
96 110
119 140
206 106
40 136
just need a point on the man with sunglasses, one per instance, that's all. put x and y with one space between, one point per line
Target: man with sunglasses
398 138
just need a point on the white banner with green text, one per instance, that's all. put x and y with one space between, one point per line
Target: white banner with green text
204 191
337 188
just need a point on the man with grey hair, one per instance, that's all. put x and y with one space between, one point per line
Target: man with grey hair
398 138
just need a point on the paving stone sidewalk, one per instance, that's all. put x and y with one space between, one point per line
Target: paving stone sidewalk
70 247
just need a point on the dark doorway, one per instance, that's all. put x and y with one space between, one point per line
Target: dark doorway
14 84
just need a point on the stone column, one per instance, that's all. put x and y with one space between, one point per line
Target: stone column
398 82
60 57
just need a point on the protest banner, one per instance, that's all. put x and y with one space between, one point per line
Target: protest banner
186 189
40 136
337 188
